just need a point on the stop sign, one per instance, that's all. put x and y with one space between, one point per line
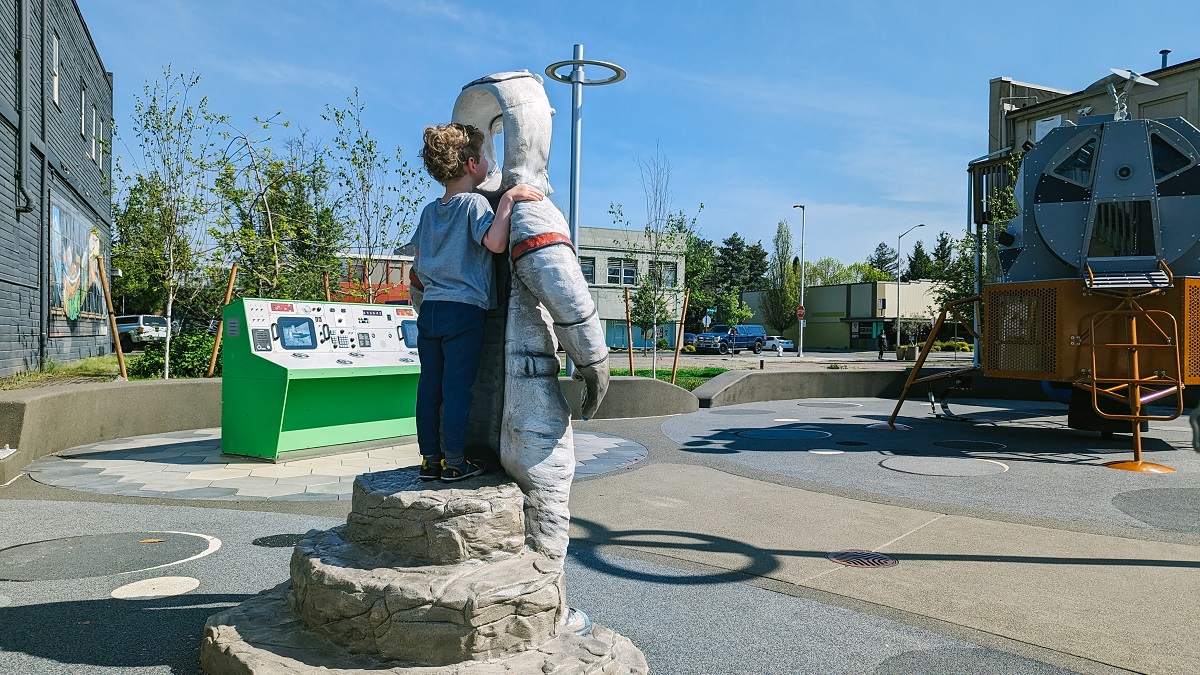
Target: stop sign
800 312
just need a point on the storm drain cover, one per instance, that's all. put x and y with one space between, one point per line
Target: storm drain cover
740 411
828 404
970 445
98 555
865 559
943 466
278 540
784 434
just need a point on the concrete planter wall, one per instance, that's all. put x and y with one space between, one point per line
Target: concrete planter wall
633 397
44 420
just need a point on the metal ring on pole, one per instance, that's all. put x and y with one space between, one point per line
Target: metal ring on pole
617 76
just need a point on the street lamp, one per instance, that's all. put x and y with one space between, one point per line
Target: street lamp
800 343
898 279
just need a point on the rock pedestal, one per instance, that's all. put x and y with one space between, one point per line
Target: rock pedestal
424 578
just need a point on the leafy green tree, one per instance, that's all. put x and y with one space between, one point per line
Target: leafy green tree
884 259
782 297
138 243
648 308
862 272
920 265
700 278
172 172
277 220
379 202
958 279
731 309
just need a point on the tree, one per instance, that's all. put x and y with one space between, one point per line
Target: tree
137 248
958 279
920 265
742 267
700 278
943 255
731 309
781 299
648 308
173 179
863 272
277 220
378 203
884 259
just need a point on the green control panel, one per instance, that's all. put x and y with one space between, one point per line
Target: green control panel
301 375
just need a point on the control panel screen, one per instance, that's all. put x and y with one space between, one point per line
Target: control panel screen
297 332
408 333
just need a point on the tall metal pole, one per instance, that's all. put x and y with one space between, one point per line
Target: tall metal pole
800 336
577 82
898 279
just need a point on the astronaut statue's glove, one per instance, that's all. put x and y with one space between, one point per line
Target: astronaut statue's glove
595 384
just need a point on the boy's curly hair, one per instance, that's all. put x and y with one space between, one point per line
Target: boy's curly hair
447 149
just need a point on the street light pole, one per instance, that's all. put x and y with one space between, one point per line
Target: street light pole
800 343
898 279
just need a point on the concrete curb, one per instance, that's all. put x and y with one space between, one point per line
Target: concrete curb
633 397
43 421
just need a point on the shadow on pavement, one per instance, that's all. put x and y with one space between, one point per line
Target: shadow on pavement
762 561
113 633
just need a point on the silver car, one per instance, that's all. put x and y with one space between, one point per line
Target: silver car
135 330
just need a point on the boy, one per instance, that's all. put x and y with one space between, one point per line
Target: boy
455 240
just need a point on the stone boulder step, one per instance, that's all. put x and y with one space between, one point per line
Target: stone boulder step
433 524
263 636
370 602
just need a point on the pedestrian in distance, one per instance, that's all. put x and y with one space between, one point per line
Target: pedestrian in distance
881 342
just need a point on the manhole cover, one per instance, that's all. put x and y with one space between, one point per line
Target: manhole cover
853 443
1175 509
278 540
739 411
99 555
866 559
943 466
784 434
828 404
970 445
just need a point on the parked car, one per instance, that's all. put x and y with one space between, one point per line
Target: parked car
136 330
774 341
723 339
689 339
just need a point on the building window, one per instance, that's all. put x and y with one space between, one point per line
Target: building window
622 271
54 68
358 273
95 130
396 273
83 111
664 273
588 265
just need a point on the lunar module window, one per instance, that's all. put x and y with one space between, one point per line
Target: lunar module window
1167 158
1078 167
297 332
1122 229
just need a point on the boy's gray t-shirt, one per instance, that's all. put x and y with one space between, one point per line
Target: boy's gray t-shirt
452 261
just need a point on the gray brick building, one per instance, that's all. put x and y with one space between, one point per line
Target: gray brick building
55 133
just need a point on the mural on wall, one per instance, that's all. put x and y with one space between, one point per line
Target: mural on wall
76 299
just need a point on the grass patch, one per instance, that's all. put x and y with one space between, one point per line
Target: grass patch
98 367
688 378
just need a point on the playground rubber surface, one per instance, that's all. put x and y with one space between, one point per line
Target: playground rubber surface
705 538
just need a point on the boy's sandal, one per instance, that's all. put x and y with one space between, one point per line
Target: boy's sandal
456 472
430 469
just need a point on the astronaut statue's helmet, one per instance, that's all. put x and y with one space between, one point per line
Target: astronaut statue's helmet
513 104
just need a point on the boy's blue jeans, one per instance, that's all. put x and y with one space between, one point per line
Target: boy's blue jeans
449 341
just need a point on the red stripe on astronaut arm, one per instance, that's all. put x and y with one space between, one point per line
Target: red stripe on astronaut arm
540 241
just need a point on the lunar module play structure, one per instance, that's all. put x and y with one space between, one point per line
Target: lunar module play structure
299 375
1100 286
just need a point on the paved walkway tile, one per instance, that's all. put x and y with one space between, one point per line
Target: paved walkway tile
189 465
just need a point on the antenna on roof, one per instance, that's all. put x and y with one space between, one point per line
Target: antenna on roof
1120 102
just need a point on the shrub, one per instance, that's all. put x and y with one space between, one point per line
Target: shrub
689 349
190 353
662 344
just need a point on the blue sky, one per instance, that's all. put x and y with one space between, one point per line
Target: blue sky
866 112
